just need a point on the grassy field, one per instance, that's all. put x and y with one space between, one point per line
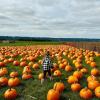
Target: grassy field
23 43
33 88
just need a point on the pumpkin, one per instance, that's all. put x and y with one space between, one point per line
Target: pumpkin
10 94
59 86
91 78
3 81
84 70
57 73
61 65
2 64
75 87
72 79
23 63
95 72
16 63
35 66
68 68
53 95
13 82
93 64
11 60
27 69
97 91
78 65
86 93
78 74
93 84
26 76
13 74
3 71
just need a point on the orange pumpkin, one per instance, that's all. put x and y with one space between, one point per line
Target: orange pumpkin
86 93
75 87
95 72
16 63
53 95
10 94
78 74
26 76
93 64
97 91
3 81
35 66
59 86
13 74
3 71
13 82
93 84
57 73
84 70
2 64
72 79
91 78
68 68
23 64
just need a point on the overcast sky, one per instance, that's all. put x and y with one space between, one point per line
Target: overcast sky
50 18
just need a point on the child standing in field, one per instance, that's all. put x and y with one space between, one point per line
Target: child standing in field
47 65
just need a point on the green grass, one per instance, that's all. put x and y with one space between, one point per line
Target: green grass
26 43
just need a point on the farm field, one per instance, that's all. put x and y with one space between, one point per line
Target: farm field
24 59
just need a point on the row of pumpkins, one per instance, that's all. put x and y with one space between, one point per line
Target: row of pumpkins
30 54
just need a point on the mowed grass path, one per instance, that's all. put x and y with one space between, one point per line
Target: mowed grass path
28 89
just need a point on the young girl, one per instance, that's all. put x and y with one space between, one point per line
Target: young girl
47 65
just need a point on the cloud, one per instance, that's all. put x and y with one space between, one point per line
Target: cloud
53 18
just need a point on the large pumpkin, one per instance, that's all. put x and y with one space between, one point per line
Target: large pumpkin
53 95
59 86
97 91
10 94
86 93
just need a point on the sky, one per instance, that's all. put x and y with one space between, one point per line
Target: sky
50 18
